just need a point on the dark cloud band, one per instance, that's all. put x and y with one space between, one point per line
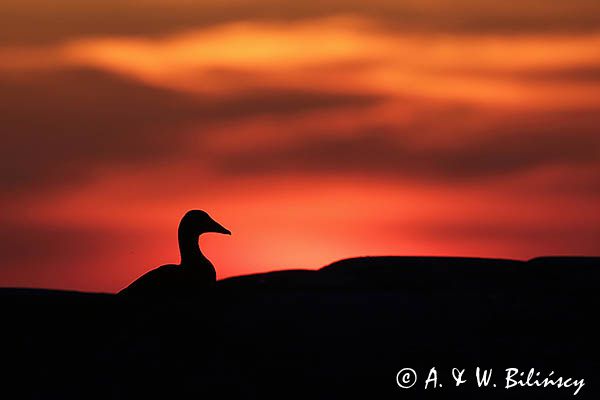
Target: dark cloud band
35 21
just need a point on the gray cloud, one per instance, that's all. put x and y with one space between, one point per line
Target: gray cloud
58 126
393 152
575 74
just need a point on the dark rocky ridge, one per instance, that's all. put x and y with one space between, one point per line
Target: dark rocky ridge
339 332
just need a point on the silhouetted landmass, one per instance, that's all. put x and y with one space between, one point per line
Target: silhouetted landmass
432 273
339 332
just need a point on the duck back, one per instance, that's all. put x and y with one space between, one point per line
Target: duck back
171 281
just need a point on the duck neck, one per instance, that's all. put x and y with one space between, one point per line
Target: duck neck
189 248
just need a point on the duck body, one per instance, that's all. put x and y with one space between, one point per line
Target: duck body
193 276
172 280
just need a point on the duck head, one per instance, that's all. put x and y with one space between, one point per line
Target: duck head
197 222
193 224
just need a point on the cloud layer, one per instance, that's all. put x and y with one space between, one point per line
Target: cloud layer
35 21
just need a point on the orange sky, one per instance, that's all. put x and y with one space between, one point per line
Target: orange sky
313 131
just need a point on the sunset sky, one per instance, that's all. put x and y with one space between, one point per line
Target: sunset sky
313 131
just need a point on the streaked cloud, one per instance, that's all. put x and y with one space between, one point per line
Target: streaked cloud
341 54
37 21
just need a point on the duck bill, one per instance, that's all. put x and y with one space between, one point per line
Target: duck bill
221 229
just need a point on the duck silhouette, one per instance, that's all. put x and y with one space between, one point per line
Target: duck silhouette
193 275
